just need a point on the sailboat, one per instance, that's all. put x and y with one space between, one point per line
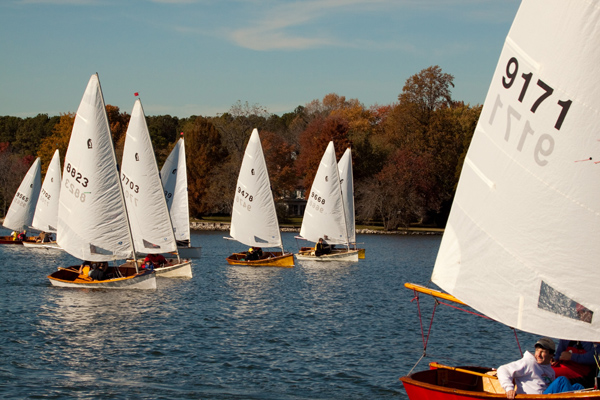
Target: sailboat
521 242
347 186
92 216
149 217
254 219
173 175
45 218
20 213
325 216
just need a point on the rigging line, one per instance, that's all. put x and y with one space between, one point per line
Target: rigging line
518 343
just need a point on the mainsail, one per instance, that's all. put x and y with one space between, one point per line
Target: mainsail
347 185
46 211
254 219
21 210
174 181
92 220
521 243
146 206
324 216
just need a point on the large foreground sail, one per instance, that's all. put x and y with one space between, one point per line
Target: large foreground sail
521 243
92 223
21 210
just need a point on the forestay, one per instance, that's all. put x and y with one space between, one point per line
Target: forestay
46 210
347 186
174 181
254 219
22 208
146 206
324 215
521 243
92 221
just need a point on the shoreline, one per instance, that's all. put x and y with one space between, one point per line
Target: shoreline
224 226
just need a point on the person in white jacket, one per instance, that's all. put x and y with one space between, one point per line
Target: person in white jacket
531 374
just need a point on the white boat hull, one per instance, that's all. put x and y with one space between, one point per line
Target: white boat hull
145 281
189 252
182 270
48 245
351 256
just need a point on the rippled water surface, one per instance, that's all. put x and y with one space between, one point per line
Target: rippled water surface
308 332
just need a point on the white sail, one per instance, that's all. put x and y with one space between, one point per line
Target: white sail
92 221
146 206
521 243
46 211
347 184
324 216
174 181
20 213
254 219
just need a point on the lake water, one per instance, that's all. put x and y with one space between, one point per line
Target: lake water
308 332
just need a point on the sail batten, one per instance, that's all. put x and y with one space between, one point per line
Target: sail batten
521 241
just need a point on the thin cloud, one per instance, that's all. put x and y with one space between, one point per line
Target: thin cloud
302 25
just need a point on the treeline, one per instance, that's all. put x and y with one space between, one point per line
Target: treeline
407 156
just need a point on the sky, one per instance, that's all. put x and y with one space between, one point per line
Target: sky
200 57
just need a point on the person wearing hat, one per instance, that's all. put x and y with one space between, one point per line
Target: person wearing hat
532 374
251 255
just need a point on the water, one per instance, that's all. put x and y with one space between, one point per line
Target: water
308 332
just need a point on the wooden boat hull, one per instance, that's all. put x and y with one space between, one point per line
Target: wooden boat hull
444 384
175 270
361 252
70 278
189 252
9 240
270 259
336 255
45 245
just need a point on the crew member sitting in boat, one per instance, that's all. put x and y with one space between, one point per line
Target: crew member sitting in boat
22 235
533 374
322 248
14 235
99 271
259 252
43 237
252 255
158 260
575 361
95 270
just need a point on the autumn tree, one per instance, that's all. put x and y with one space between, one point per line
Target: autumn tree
205 156
314 141
279 156
14 169
236 125
399 194
61 134
31 132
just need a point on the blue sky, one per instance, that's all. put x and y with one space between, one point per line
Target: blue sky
199 57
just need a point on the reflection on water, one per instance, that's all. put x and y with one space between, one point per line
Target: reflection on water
319 331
